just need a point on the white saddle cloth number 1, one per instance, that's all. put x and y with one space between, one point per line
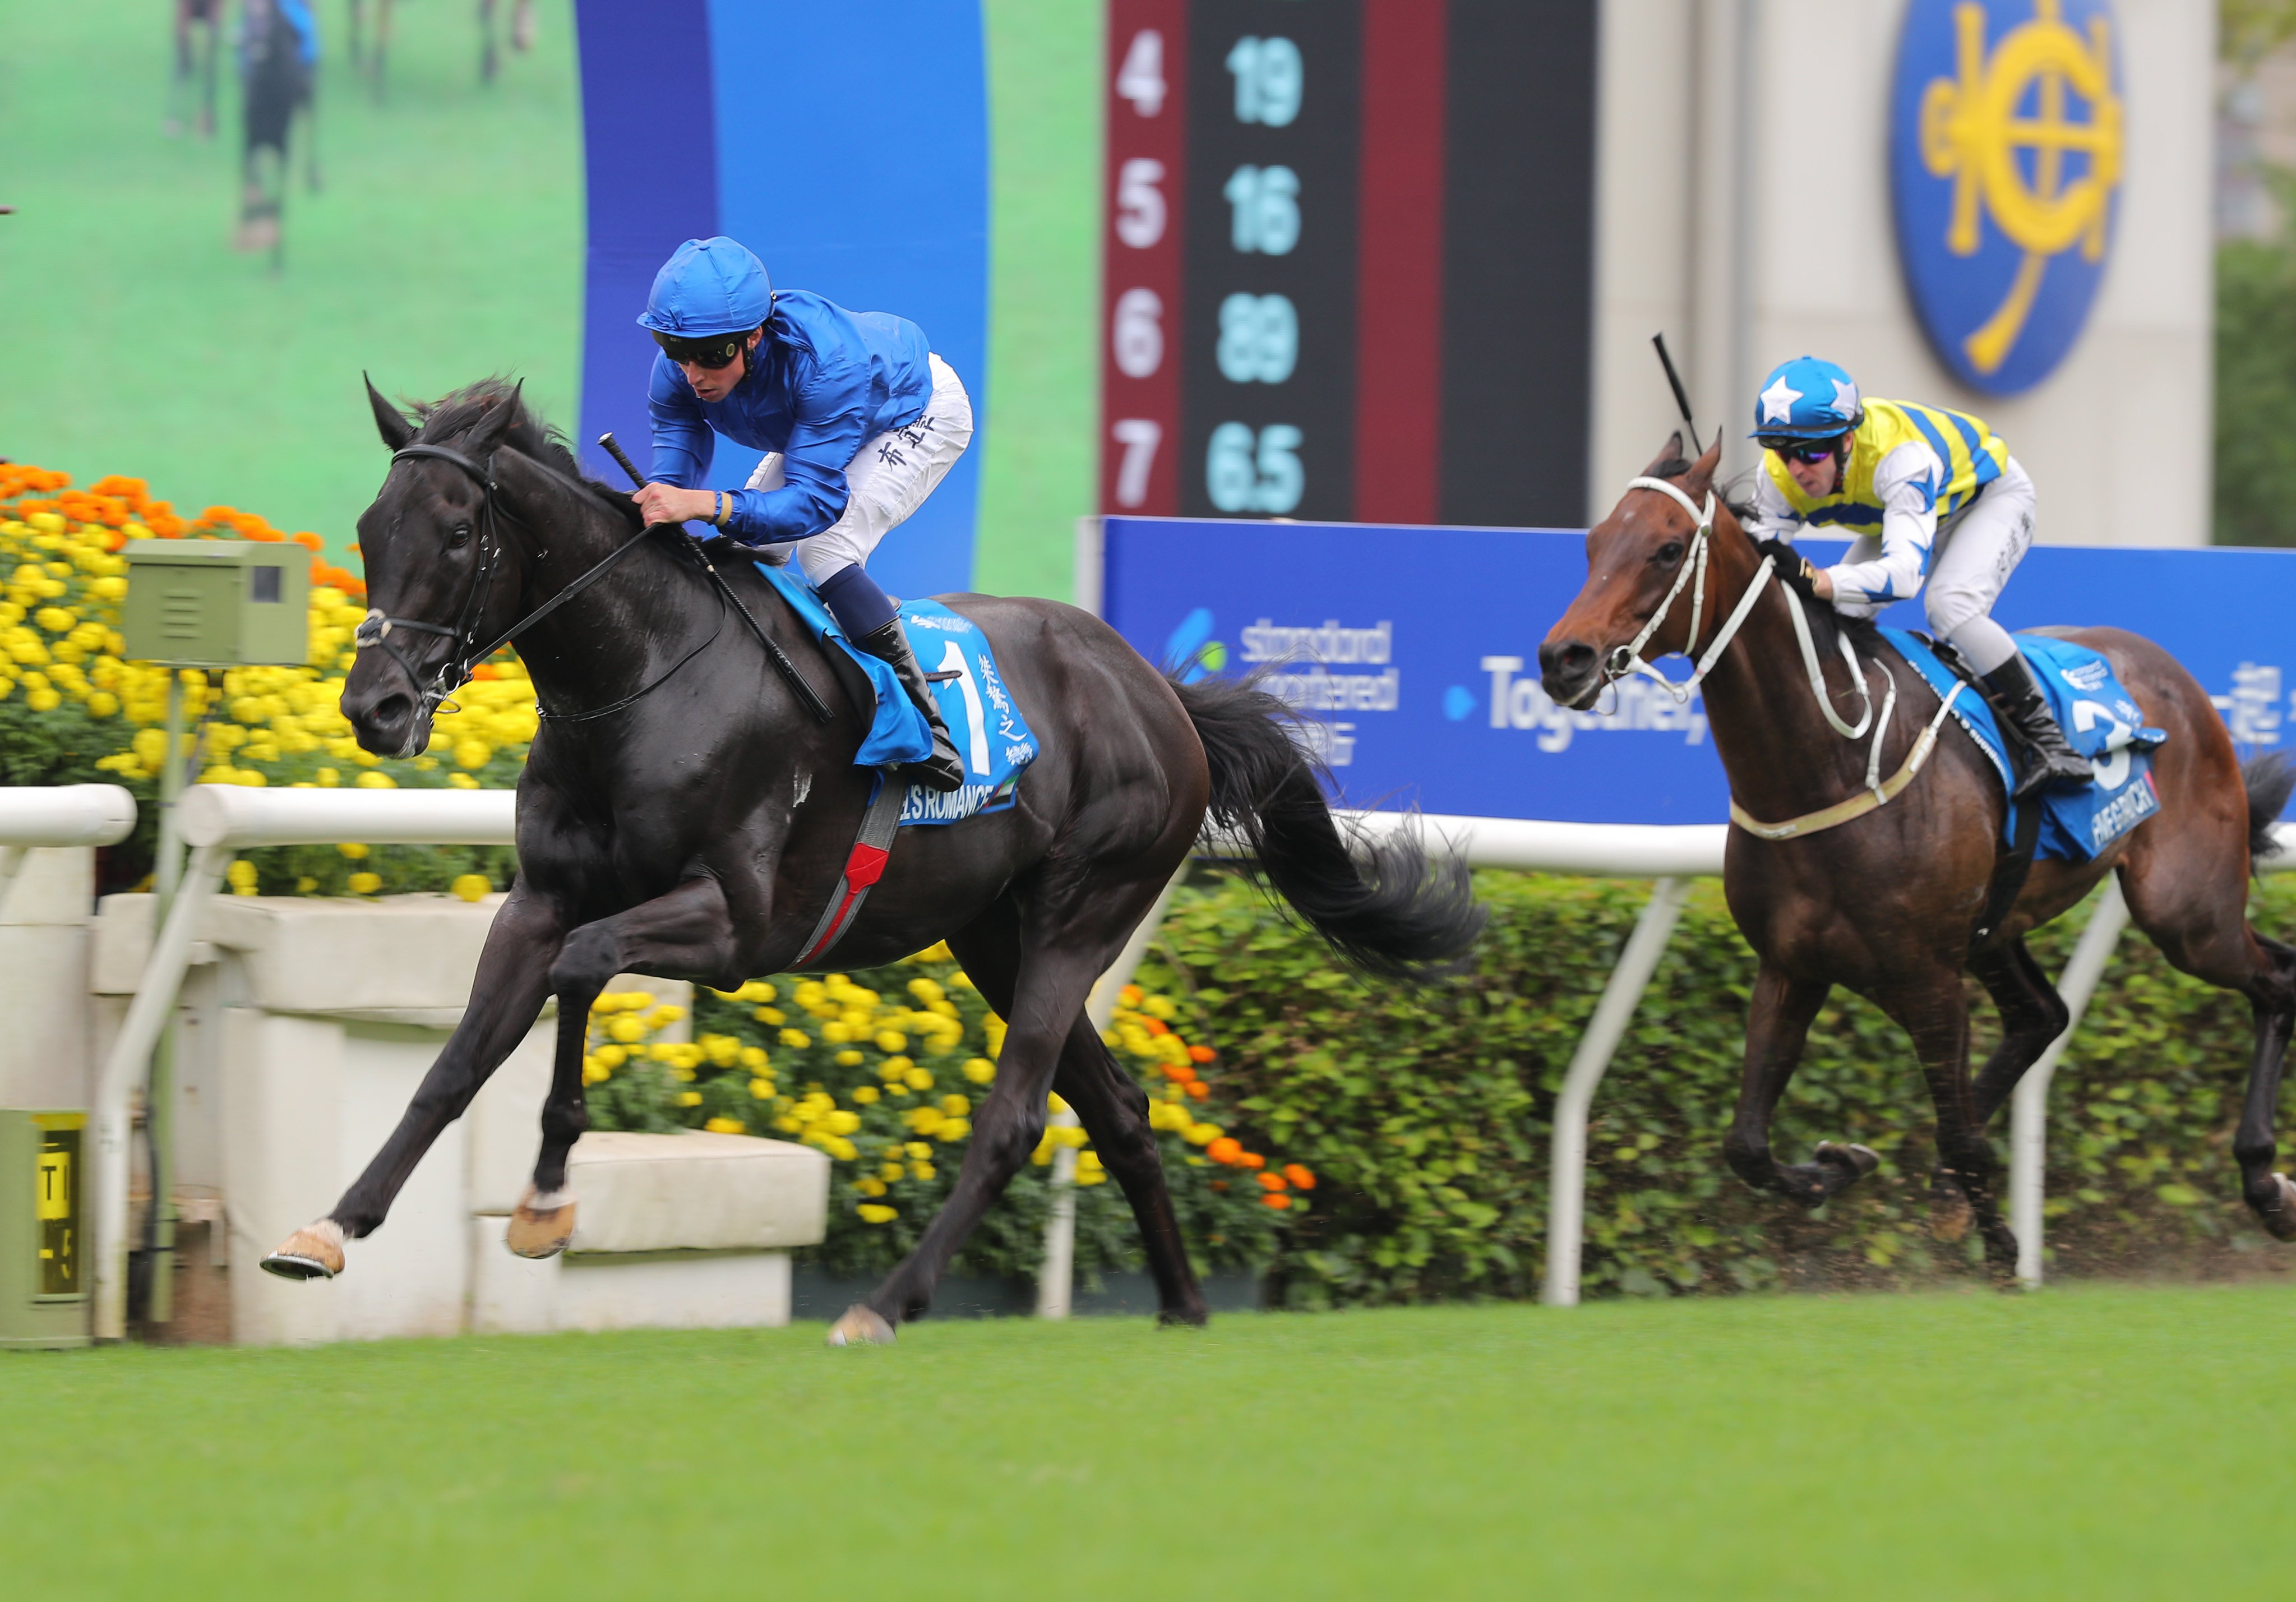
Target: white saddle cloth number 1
952 659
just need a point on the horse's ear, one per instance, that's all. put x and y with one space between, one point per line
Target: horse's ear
1703 471
388 422
496 422
1671 451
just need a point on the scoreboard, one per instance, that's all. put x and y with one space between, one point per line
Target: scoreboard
1349 259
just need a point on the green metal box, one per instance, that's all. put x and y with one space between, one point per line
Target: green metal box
217 603
44 1263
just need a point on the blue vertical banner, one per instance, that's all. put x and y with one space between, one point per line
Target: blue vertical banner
847 146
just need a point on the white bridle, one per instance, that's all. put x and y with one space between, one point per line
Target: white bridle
1628 658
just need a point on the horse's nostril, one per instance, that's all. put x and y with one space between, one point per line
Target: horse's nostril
389 712
1568 657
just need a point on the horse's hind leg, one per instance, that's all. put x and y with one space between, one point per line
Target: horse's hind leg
2192 902
2032 1015
1114 1111
1778 1024
1934 1011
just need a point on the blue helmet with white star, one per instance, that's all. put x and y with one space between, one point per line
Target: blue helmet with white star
1807 398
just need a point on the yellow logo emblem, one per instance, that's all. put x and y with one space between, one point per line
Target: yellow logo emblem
2002 131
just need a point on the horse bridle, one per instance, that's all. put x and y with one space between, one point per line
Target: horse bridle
454 670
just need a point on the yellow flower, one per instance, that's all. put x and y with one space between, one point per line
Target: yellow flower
872 1213
796 1040
926 990
305 885
955 1105
328 778
613 1056
472 753
462 781
365 885
980 1070
689 1098
891 1170
892 1039
835 1031
374 778
953 1129
864 1094
44 700
472 887
874 1186
355 852
922 1170
726 1126
848 1058
628 1030
840 1147
841 1122
761 1089
240 871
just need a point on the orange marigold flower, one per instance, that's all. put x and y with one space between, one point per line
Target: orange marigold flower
1156 1026
1279 1201
310 542
1201 1054
1227 1149
1251 1160
1272 1182
1179 1073
1300 1175
1198 1091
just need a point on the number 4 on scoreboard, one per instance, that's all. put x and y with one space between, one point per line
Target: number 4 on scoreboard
1141 79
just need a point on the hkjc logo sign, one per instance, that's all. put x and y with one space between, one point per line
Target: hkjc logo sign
2005 149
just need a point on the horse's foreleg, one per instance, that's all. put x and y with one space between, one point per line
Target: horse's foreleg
1778 1024
2272 998
689 931
1933 1009
2032 1015
512 984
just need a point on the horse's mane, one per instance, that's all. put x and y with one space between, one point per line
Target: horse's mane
459 410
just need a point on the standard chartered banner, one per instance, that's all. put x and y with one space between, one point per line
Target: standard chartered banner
1415 650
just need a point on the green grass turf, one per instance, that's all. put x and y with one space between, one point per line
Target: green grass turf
445 243
2104 1442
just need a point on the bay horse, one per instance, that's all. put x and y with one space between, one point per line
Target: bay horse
684 814
1893 904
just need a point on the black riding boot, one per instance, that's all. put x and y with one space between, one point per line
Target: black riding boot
2050 760
944 770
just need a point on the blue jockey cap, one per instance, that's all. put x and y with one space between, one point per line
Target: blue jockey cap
1807 398
708 286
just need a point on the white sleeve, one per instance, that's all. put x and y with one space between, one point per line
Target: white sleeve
1774 516
1907 482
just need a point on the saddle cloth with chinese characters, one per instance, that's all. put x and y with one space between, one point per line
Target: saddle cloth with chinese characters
2099 718
983 720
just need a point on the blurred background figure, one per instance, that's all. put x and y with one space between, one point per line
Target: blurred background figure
522 34
278 58
197 23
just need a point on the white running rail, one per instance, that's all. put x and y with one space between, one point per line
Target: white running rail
59 815
216 820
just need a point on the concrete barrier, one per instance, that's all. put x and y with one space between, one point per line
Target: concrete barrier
307 1025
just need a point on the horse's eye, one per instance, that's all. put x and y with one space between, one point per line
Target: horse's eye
458 536
1669 554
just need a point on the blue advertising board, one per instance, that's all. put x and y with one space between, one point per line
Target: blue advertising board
1415 650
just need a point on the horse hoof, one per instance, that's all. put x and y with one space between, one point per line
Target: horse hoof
537 1229
2279 1214
315 1252
1951 1215
860 1326
1859 1160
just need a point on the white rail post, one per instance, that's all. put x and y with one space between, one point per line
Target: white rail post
2028 1109
1566 1206
1056 1278
123 1070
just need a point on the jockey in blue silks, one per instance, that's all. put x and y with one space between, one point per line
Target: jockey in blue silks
859 420
1934 502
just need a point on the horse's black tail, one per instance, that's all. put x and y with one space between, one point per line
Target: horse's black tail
2268 780
1383 906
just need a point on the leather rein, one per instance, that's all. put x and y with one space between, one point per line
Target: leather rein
454 670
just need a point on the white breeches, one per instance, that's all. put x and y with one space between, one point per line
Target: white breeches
1973 556
889 477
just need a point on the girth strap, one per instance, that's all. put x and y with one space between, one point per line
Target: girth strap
863 867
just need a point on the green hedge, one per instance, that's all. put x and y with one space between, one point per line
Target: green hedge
1428 1115
1425 1115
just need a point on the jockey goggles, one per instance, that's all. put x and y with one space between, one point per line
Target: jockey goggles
712 351
1795 449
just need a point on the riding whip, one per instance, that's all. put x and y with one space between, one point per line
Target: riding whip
787 669
1681 396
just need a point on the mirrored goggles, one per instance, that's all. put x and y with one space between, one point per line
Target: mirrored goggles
713 351
1796 449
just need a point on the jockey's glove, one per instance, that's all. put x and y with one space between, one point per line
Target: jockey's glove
1793 567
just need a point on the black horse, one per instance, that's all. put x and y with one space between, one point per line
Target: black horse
698 832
